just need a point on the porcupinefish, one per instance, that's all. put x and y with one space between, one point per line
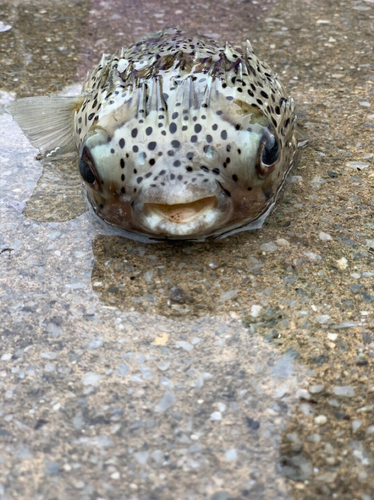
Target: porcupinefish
178 136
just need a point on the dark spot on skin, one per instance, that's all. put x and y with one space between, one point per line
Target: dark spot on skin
172 128
189 156
163 132
112 151
101 206
235 177
215 126
184 128
122 177
177 163
259 102
209 138
148 130
148 175
175 115
204 169
264 94
228 160
152 161
152 145
175 144
171 152
219 112
122 143
277 110
189 169
224 135
239 151
249 188
139 180
91 116
123 190
194 138
172 177
134 132
122 163
229 98
250 92
135 171
135 149
216 171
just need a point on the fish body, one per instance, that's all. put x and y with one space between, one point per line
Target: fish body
178 136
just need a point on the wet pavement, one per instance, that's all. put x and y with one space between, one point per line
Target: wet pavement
223 370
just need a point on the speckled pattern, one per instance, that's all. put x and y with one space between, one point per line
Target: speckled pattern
177 118
238 369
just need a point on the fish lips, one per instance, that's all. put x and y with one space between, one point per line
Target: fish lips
182 211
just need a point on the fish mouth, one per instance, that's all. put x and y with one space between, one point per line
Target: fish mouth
182 213
191 218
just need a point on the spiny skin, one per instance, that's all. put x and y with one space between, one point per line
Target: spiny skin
174 119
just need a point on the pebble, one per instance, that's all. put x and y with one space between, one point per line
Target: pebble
315 389
141 457
231 455
163 365
282 242
269 247
186 346
314 438
255 310
357 164
48 355
324 236
167 401
356 424
216 415
347 391
312 255
6 357
123 370
230 295
370 429
323 318
320 420
342 263
91 378
52 468
332 336
302 394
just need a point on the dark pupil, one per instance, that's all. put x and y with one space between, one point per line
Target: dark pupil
86 172
270 152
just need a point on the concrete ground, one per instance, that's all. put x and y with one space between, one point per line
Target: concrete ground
223 370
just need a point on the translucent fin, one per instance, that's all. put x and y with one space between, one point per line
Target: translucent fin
48 122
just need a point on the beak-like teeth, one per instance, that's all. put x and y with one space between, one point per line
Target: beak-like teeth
182 213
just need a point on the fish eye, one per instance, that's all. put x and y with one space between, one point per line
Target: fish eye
85 168
270 151
268 155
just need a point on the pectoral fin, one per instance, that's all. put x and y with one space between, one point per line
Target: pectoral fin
48 122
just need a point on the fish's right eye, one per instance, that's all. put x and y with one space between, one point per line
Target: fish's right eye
86 171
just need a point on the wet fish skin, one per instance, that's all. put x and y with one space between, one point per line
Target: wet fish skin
178 137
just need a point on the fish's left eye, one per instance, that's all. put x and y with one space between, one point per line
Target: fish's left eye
268 155
270 152
86 171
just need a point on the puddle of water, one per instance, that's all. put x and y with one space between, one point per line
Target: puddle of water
262 369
